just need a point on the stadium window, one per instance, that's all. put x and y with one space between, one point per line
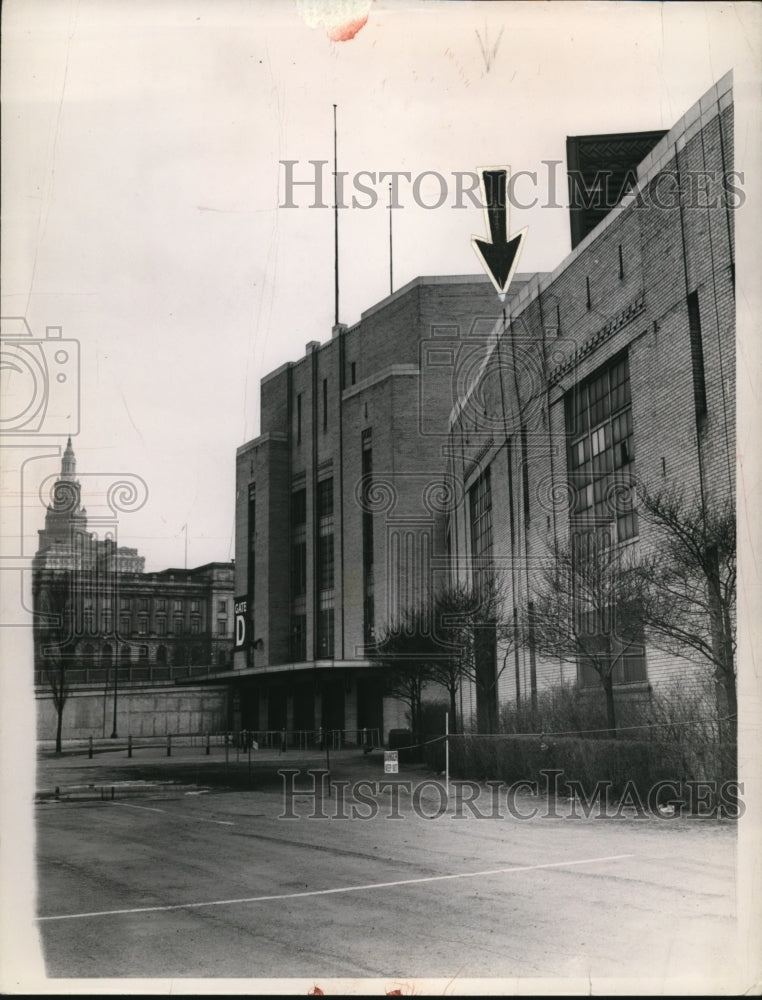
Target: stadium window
600 451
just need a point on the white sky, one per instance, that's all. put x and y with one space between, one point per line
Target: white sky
141 188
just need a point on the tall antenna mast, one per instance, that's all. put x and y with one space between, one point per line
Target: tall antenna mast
391 272
335 222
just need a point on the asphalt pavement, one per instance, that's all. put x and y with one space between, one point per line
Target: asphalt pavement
194 869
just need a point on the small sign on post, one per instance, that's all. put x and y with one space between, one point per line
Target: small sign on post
391 762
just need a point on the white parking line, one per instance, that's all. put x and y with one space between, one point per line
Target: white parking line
180 818
129 805
331 892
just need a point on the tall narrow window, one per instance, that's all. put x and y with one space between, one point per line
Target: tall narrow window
600 450
251 576
484 648
325 405
353 369
511 513
367 538
480 498
325 569
516 659
298 418
525 474
697 357
298 575
299 543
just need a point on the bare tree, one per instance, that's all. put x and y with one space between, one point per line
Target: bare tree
469 625
587 608
54 604
448 641
689 586
402 650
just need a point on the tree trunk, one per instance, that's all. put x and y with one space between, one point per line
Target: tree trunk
453 719
608 686
60 701
59 726
727 705
722 650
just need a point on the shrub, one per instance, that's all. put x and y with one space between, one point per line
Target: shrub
670 735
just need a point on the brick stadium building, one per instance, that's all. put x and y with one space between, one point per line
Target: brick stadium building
618 369
339 502
366 483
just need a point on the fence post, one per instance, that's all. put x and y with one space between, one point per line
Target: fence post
283 738
447 756
207 745
169 744
129 746
90 746
227 749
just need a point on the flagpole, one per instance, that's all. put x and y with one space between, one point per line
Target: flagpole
335 222
391 279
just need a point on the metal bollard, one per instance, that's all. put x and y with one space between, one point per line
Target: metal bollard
129 746
169 744
208 745
90 747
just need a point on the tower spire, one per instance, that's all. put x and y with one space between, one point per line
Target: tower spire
69 462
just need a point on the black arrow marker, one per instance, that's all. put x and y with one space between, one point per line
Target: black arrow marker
499 255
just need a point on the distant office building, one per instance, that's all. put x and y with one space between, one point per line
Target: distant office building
113 623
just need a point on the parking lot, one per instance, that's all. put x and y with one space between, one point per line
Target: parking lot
191 870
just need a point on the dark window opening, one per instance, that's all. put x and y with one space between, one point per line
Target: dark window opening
525 475
298 638
697 357
251 528
325 570
480 502
367 538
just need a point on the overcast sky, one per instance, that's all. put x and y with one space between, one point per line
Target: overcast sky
142 181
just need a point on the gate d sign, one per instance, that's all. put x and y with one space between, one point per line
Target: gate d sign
241 622
391 762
